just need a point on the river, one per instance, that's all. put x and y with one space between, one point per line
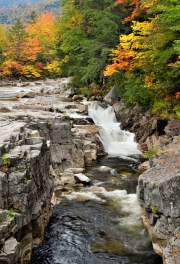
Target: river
101 223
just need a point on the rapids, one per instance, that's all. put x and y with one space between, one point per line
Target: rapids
115 141
101 223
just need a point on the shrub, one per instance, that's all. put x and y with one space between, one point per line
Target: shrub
150 153
85 91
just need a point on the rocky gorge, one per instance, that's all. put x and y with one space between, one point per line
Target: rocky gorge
39 151
42 148
158 186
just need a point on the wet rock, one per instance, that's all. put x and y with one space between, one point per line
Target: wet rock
76 170
24 94
81 178
77 97
96 190
104 168
82 121
144 166
4 109
114 172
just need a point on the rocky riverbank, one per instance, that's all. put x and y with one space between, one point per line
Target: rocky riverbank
158 187
41 150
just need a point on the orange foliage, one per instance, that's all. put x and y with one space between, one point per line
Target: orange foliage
31 49
95 91
16 65
39 65
43 29
122 60
130 3
178 95
168 98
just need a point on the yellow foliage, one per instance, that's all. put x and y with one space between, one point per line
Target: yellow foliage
142 28
3 37
30 71
6 67
53 67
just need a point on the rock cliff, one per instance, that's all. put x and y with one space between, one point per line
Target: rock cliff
40 149
158 188
158 193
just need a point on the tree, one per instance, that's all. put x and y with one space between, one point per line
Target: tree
3 41
88 30
17 36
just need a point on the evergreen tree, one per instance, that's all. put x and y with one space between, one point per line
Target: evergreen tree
88 30
17 36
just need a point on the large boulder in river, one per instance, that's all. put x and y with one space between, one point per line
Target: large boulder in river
81 178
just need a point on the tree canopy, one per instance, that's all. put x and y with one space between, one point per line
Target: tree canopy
133 44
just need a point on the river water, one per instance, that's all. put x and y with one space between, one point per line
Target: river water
101 223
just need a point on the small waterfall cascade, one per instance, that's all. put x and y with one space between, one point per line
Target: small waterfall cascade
116 142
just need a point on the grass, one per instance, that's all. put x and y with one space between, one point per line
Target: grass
150 153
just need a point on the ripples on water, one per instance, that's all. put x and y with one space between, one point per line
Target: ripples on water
99 224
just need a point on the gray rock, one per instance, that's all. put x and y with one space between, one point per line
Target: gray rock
81 178
173 128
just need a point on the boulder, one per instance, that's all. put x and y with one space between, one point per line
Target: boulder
28 94
112 96
105 169
81 178
173 128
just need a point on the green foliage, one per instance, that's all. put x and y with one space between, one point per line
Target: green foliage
134 91
10 213
160 106
5 160
85 91
150 153
154 209
49 123
87 32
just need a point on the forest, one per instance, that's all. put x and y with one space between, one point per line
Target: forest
11 10
15 3
131 44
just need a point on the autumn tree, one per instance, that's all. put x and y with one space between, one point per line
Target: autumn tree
88 30
17 36
3 41
148 58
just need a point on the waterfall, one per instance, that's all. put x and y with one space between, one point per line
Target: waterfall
116 142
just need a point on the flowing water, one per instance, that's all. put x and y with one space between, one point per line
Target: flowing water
101 223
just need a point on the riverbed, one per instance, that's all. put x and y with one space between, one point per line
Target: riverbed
100 223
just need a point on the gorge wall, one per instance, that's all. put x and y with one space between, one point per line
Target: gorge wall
35 158
158 189
40 150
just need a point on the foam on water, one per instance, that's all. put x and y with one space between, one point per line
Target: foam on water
115 141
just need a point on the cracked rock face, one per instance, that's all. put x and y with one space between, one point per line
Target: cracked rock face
158 193
26 188
38 150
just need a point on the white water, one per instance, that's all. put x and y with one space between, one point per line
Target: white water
116 142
